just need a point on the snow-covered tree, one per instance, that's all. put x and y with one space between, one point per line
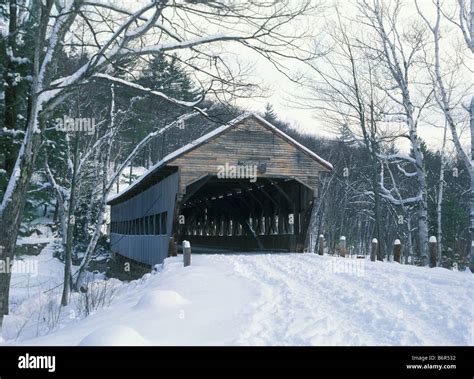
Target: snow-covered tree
446 86
113 33
396 54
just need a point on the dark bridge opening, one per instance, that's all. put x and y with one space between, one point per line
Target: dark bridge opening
265 213
266 206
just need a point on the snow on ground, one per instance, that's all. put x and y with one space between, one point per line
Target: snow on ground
35 280
278 299
41 234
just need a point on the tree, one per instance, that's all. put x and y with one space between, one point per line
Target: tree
114 34
345 92
444 88
270 114
395 53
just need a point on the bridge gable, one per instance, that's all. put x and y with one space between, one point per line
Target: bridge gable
249 143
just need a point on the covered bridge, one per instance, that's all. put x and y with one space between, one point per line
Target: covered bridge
244 186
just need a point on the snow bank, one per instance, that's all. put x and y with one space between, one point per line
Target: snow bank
157 300
279 299
115 335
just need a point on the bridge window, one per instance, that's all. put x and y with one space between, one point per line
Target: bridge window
147 225
157 224
164 217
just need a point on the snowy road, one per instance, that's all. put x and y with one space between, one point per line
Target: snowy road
311 300
282 299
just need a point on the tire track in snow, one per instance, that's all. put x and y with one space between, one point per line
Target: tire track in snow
292 309
304 302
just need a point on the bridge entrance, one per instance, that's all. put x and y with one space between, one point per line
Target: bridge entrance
270 213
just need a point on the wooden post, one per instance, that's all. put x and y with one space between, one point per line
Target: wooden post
433 251
186 253
321 245
374 250
172 251
342 246
397 250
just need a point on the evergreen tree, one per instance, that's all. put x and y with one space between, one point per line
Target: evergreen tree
164 74
270 114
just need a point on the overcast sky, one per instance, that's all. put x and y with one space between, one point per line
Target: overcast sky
281 90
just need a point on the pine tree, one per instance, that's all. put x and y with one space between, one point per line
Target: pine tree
165 74
270 114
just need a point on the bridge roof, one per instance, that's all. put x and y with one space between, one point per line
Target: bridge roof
159 166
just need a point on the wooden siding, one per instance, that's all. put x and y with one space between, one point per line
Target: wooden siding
249 142
253 143
148 249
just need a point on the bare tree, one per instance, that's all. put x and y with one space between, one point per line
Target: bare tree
108 179
349 92
193 28
397 53
440 197
343 92
443 88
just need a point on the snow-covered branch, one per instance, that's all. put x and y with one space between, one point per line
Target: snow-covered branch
399 200
138 87
397 156
406 173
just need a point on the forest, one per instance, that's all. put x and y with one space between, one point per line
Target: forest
94 93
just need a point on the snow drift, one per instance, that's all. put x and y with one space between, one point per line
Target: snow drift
278 299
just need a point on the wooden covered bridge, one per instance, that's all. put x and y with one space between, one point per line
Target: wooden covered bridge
244 186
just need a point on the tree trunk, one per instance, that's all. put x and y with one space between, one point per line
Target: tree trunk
11 98
422 210
439 199
409 250
377 213
471 215
14 201
70 229
91 246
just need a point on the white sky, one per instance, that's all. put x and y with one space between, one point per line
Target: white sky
281 90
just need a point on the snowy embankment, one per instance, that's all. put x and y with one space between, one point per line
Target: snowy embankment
284 299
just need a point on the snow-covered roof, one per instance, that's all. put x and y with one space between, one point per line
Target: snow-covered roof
210 135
